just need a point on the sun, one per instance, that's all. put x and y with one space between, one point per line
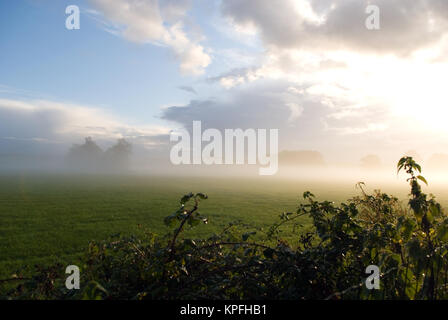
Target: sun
408 87
420 92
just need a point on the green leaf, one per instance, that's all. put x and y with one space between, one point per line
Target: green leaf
246 235
414 249
308 195
186 198
192 221
170 221
408 227
400 164
201 196
418 167
442 232
190 243
407 277
93 291
435 210
422 179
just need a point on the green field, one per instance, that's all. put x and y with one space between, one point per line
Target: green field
49 218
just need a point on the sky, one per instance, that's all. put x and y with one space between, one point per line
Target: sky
137 69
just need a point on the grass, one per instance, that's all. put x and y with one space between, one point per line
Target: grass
49 218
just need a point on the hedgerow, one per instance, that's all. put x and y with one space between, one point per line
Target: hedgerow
408 243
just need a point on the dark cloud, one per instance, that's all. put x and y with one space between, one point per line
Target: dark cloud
244 109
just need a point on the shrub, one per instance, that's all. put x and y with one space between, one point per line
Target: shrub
407 243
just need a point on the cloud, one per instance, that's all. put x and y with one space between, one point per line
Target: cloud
406 26
296 111
261 106
188 89
361 93
236 76
306 110
157 23
50 122
328 117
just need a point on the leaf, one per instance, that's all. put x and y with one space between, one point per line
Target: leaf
414 249
422 179
190 243
408 278
418 167
400 164
186 198
308 195
170 221
246 235
435 210
192 221
93 291
408 227
442 232
201 196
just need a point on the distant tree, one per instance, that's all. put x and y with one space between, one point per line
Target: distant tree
85 157
438 161
301 157
116 158
370 161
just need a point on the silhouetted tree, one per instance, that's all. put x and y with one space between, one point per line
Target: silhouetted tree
116 158
85 157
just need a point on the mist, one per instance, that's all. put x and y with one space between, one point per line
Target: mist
125 158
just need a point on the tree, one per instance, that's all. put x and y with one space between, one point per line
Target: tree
85 157
116 158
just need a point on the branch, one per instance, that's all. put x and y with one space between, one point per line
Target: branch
173 242
234 243
14 279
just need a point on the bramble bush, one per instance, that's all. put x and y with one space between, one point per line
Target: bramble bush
407 243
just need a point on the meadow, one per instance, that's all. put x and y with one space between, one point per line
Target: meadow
52 218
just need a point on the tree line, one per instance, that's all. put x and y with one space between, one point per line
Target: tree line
89 157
